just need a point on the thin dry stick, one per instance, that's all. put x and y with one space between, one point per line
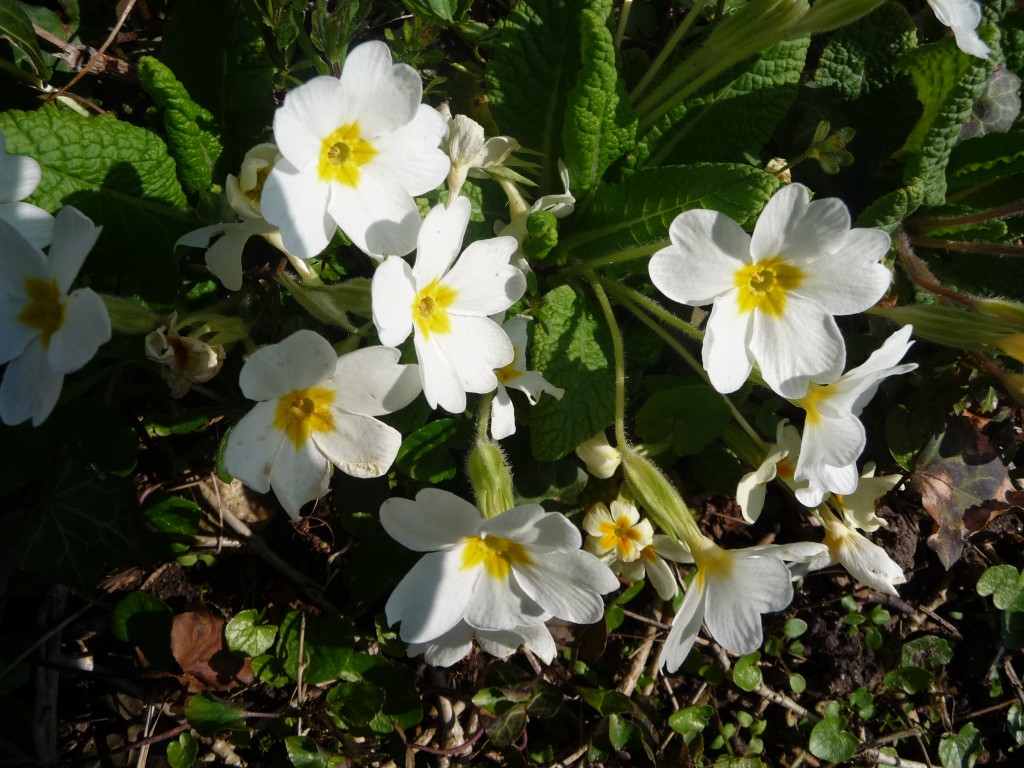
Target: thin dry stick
102 49
636 669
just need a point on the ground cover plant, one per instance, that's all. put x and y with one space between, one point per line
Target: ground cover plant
550 382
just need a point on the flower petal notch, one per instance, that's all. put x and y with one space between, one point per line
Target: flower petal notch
45 331
316 411
446 301
775 292
356 151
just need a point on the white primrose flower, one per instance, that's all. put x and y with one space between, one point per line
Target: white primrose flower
866 561
599 457
518 568
652 565
316 410
515 375
357 150
447 306
244 195
46 332
859 507
19 177
833 435
617 533
780 462
729 592
470 153
774 292
457 643
963 17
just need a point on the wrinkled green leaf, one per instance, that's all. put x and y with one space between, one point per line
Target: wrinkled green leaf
245 635
986 159
140 615
1004 583
303 752
693 417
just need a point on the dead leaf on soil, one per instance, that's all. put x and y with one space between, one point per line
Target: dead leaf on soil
963 485
197 643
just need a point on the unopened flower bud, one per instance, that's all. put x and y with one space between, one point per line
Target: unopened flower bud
186 360
490 477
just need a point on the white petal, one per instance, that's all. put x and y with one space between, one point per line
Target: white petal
440 240
450 648
857 386
360 446
968 41
300 361
503 414
20 260
411 155
30 389
200 238
300 474
86 326
435 520
537 530
831 442
503 643
383 96
442 384
74 235
224 257
252 447
569 585
19 175
755 585
685 626
533 385
866 561
310 114
853 278
371 382
801 345
34 224
433 596
378 215
296 203
750 492
476 347
661 576
707 249
499 604
484 281
793 227
14 335
392 292
726 351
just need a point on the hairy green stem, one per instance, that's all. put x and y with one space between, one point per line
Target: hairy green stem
651 306
620 360
627 254
670 46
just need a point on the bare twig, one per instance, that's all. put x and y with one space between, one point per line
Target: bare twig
102 49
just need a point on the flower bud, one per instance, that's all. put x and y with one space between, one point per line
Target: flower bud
490 477
660 499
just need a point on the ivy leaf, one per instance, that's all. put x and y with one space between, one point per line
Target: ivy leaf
218 53
831 741
122 178
572 350
610 702
16 28
948 83
191 132
961 750
599 124
535 64
958 475
641 209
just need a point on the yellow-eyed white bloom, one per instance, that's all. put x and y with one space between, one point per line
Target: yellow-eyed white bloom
652 565
316 410
518 568
445 300
779 462
866 561
617 532
774 293
357 150
515 376
45 331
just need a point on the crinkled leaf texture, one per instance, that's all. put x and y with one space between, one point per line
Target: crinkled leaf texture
572 350
122 178
191 132
640 210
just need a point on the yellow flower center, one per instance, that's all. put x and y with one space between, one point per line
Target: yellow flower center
429 309
509 372
764 285
785 470
495 554
816 394
712 561
304 411
341 154
256 192
45 309
621 535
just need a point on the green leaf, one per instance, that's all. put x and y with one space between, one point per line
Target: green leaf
572 350
961 750
244 635
535 64
425 455
172 514
889 211
948 83
634 217
794 628
862 58
1004 583
122 178
82 526
734 119
218 53
183 752
691 720
304 752
797 682
926 651
957 472
692 417
606 702
599 124
620 731
909 679
746 674
209 715
986 159
191 132
139 615
16 28
326 645
831 741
